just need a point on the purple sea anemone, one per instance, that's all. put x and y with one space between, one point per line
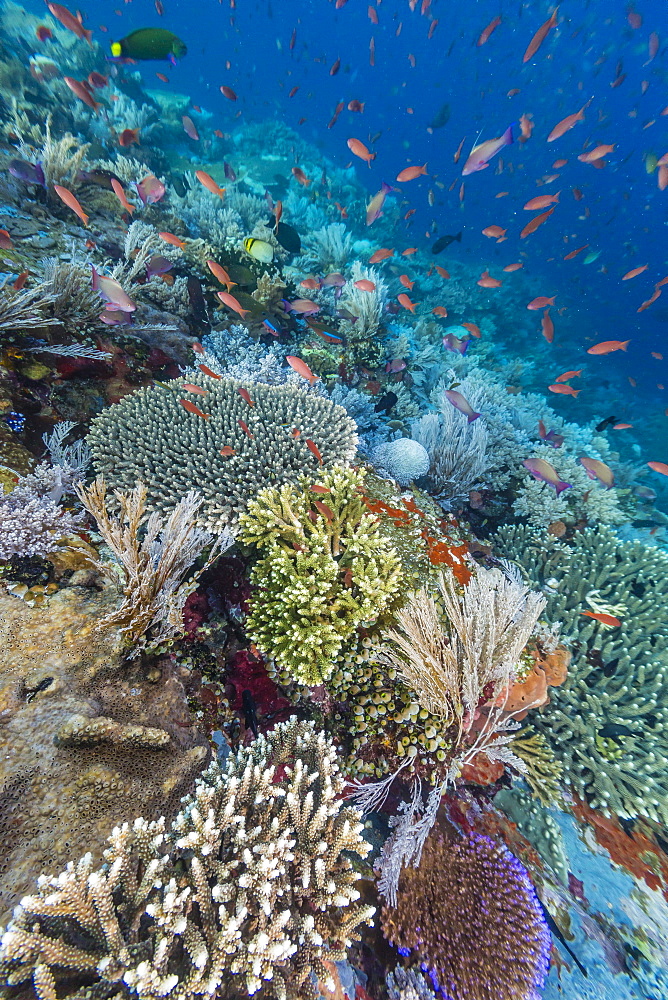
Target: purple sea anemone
471 915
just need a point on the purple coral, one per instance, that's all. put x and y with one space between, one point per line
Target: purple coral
471 915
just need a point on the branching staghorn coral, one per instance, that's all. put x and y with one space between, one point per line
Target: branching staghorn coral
151 436
618 677
153 569
471 915
245 895
326 568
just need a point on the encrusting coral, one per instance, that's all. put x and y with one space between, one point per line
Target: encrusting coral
618 682
470 914
87 739
326 568
248 892
150 435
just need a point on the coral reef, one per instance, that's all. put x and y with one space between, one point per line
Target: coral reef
403 460
150 435
618 680
32 521
470 913
326 568
60 675
249 890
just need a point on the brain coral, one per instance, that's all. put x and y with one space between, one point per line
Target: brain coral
86 741
471 915
403 460
608 723
151 436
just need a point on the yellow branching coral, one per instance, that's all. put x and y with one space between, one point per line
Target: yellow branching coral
326 569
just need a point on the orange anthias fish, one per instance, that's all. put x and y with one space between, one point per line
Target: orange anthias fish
485 281
82 92
513 267
440 311
245 395
5 240
207 371
219 272
228 93
175 241
541 301
633 273
68 199
313 448
227 451
540 36
480 155
191 408
359 149
117 188
537 221
495 232
189 387
472 328
301 177
128 137
564 390
410 173
547 328
600 616
526 128
567 123
442 271
406 282
302 369
68 20
381 254
542 201
245 428
568 375
608 346
208 182
574 253
595 154
484 35
365 285
232 303
404 301
659 467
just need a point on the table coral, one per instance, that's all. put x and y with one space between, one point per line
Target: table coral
618 678
85 742
326 568
150 436
249 892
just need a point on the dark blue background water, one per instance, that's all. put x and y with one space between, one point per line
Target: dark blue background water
592 45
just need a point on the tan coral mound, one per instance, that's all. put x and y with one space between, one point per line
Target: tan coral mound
86 742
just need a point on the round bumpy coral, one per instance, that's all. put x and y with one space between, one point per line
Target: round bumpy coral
470 913
248 893
403 460
326 568
226 443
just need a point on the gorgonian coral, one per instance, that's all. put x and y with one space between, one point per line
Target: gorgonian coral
326 568
248 893
471 915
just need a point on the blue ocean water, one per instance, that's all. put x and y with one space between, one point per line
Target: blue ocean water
432 80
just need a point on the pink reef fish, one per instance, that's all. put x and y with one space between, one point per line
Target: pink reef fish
461 403
540 469
598 470
454 344
112 291
150 189
481 154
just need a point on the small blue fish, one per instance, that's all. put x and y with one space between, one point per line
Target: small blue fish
15 420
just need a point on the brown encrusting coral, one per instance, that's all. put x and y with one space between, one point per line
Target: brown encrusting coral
86 741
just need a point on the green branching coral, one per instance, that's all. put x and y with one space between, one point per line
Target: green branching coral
153 437
617 685
247 894
326 568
